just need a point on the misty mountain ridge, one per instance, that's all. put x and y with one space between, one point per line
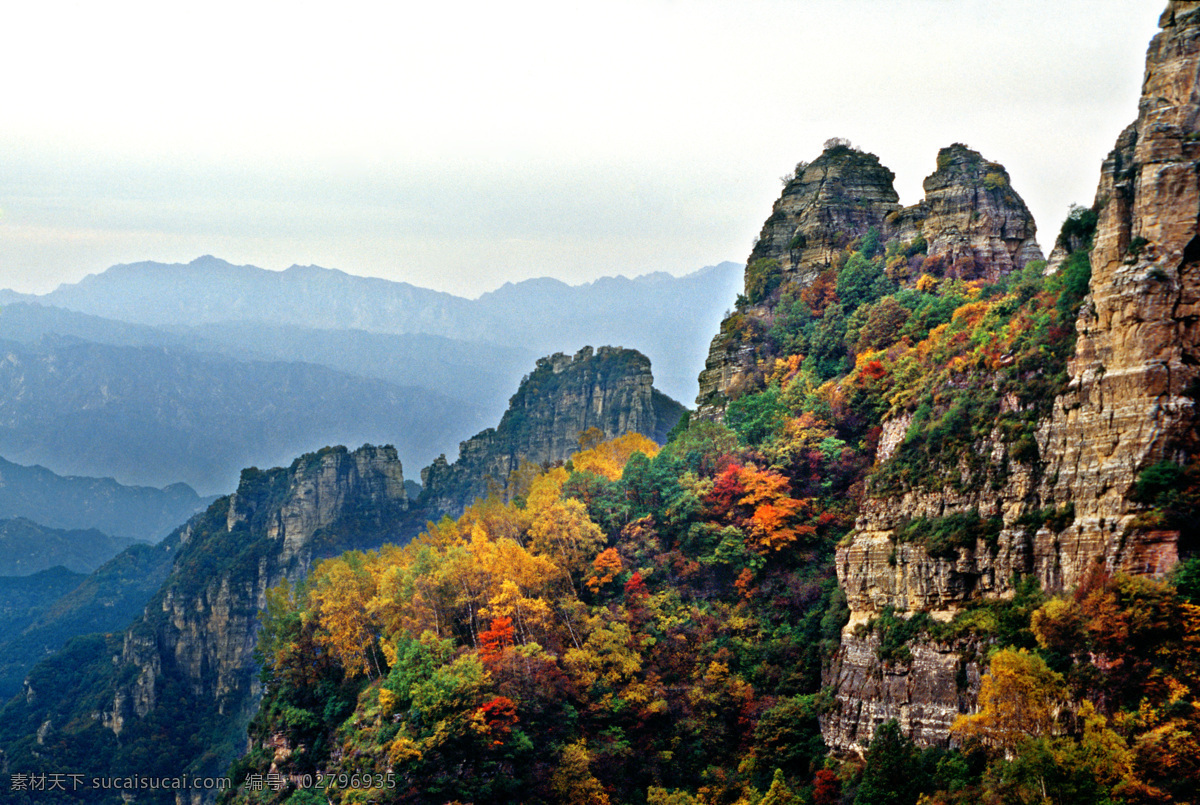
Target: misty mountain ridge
418 359
153 373
536 316
145 414
27 548
140 513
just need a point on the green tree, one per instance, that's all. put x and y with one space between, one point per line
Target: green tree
892 774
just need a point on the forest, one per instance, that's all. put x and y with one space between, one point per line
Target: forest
646 625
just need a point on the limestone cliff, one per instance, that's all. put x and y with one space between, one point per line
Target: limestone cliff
827 203
1129 403
182 681
970 219
970 224
609 388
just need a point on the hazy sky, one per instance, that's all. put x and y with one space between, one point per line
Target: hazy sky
461 145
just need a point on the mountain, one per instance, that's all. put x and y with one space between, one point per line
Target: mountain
971 225
233 365
27 548
172 694
933 536
609 389
477 372
23 599
62 605
75 502
142 414
1073 495
663 316
211 291
186 666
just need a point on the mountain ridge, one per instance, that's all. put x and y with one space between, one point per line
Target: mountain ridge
210 291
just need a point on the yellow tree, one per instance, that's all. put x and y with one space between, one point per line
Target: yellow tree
495 519
562 531
1020 697
411 592
518 583
609 655
340 593
609 458
573 780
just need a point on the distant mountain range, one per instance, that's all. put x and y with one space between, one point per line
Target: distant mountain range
137 513
145 414
154 373
27 548
669 319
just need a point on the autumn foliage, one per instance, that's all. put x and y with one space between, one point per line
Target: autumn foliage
646 625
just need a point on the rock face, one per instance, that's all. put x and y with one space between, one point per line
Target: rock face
1131 401
609 388
971 218
924 694
208 626
1129 404
829 202
835 198
190 657
971 222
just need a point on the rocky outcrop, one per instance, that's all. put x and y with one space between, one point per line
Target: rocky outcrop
190 658
205 626
1130 403
971 219
610 389
320 491
924 692
827 203
971 224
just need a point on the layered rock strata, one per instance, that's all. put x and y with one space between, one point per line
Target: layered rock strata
971 222
826 204
208 625
970 218
1129 404
191 655
610 389
1132 397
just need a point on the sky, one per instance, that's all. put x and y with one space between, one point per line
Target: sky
462 145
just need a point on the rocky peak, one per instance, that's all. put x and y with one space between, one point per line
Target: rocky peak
609 388
1131 401
320 486
1129 404
190 657
825 205
971 219
1175 9
971 224
285 519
